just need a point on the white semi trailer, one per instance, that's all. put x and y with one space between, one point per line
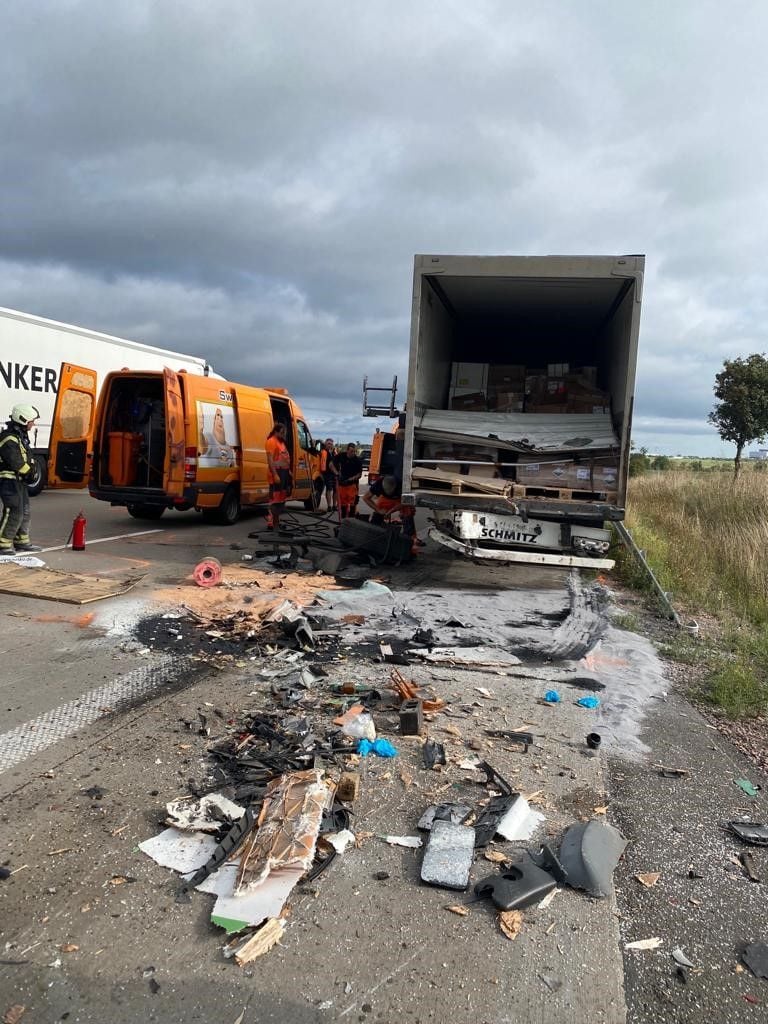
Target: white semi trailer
32 350
516 430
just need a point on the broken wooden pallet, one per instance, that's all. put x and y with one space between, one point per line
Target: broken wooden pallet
459 484
52 585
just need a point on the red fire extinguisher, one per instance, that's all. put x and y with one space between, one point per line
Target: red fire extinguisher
78 532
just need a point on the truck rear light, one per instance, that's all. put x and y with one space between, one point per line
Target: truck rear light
190 463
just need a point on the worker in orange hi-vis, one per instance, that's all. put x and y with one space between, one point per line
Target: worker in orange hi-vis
350 467
279 473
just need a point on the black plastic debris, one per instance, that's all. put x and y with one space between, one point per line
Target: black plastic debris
457 814
424 638
5 873
94 792
496 808
594 740
752 832
524 739
589 853
411 717
448 856
231 841
755 956
519 886
433 753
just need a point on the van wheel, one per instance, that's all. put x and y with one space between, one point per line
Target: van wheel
228 511
39 476
145 511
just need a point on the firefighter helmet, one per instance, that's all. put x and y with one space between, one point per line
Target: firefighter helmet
23 415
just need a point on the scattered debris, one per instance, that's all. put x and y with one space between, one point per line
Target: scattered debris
525 739
433 754
552 983
348 787
380 747
680 958
589 853
458 909
14 1014
522 884
594 740
671 773
413 842
653 943
208 572
519 821
511 923
457 814
261 942
648 878
755 956
552 697
589 702
747 787
68 947
207 814
448 856
411 717
752 832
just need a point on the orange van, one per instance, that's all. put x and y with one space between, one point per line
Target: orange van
159 440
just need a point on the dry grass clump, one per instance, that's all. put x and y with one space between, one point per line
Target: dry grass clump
706 537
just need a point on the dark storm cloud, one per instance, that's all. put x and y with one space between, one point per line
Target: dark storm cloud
249 181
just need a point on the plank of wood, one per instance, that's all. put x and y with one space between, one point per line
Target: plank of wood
53 585
562 493
462 484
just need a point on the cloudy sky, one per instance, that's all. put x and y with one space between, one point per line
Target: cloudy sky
249 181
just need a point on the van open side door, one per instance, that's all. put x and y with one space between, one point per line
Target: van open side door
174 434
71 441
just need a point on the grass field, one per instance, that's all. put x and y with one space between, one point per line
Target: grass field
706 537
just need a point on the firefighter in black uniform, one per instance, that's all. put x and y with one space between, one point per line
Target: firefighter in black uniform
17 468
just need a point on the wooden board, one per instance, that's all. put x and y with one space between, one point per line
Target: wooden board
459 484
69 587
562 493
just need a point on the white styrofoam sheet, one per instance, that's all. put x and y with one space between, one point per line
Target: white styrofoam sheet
544 432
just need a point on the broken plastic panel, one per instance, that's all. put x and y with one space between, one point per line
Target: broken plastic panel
521 885
589 853
448 856
755 956
752 832
457 814
497 806
433 753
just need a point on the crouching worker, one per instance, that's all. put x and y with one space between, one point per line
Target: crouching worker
279 473
384 497
17 468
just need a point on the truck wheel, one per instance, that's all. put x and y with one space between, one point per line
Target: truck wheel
228 511
145 511
40 478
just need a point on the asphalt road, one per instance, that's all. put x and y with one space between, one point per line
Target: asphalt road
83 704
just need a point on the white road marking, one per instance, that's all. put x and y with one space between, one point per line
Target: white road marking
103 540
39 733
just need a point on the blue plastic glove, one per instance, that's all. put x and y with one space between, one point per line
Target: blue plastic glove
588 702
378 746
552 697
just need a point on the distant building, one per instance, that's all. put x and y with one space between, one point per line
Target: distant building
761 453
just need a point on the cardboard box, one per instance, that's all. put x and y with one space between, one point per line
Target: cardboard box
506 377
558 369
506 401
467 400
542 474
473 376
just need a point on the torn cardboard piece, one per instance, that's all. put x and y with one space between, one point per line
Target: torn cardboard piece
287 828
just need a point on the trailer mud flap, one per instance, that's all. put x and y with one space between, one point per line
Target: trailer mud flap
510 555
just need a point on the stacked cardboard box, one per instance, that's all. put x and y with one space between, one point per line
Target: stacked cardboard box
556 388
598 474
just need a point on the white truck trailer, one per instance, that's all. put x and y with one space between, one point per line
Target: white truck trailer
32 350
517 423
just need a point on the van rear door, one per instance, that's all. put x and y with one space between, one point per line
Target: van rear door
71 441
174 434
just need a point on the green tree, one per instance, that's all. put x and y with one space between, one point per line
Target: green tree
639 462
741 412
661 462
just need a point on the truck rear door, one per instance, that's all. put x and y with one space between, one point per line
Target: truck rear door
174 434
72 428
